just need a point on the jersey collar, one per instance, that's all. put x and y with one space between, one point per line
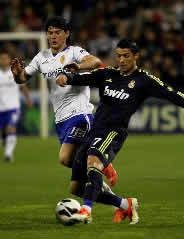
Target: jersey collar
127 73
59 52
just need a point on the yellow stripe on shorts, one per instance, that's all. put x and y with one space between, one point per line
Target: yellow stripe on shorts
107 141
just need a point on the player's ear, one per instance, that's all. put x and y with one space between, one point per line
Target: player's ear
67 33
137 55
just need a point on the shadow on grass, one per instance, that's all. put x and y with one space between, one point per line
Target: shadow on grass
30 224
50 224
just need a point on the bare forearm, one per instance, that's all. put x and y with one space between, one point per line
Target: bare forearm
26 93
21 78
89 63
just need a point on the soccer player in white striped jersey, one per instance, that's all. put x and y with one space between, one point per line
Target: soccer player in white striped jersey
73 111
9 105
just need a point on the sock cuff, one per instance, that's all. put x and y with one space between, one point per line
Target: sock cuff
93 169
88 203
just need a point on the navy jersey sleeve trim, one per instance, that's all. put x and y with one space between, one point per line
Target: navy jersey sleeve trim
157 88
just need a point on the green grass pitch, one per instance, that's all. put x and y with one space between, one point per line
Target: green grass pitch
150 168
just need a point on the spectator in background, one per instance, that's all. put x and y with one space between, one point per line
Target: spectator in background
102 42
30 19
106 58
82 38
157 25
67 12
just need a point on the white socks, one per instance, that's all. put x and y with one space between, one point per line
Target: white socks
10 143
124 204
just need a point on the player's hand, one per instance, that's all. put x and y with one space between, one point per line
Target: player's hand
73 67
61 80
17 66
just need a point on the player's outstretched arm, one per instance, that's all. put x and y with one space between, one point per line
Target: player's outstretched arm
159 89
89 62
84 79
17 68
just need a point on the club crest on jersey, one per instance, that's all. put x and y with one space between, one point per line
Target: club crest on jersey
119 94
131 84
62 59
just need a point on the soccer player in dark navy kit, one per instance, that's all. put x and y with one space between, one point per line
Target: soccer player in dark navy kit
122 91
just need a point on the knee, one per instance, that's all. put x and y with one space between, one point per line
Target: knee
64 160
94 162
11 130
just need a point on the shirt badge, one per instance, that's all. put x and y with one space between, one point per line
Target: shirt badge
131 84
62 59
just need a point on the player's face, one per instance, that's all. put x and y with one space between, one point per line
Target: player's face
4 60
126 59
57 38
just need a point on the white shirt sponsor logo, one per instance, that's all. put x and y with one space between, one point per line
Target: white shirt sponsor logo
116 93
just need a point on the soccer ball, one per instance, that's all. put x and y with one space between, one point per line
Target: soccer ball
65 208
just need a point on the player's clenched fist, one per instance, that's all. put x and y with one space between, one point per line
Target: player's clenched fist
73 67
17 66
61 80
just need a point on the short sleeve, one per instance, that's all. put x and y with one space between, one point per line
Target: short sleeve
79 53
33 66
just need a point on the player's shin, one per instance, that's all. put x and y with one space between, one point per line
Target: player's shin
3 138
93 187
112 199
10 143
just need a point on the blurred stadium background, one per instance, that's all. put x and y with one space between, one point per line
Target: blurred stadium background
30 188
157 25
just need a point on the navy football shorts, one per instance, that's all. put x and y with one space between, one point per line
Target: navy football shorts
105 144
9 118
74 129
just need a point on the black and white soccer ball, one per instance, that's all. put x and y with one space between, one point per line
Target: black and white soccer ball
65 209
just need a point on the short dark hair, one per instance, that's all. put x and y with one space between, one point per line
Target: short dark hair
57 21
130 44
